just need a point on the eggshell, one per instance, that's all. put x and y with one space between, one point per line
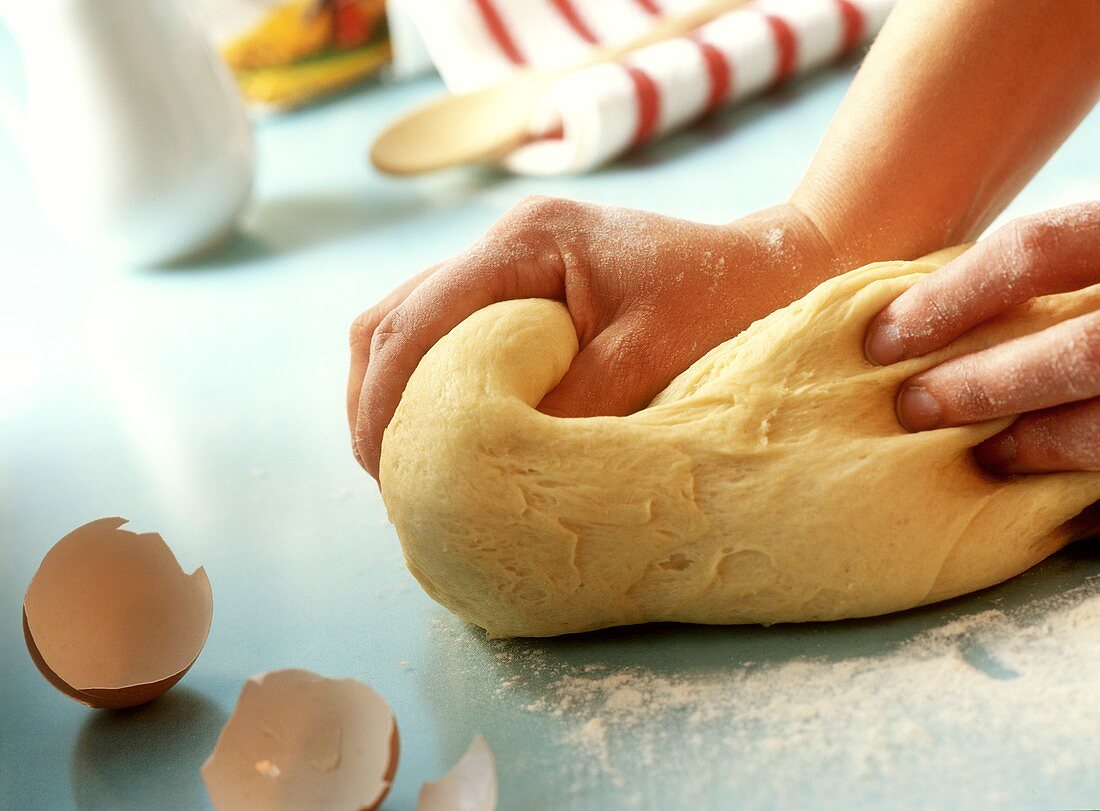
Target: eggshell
470 785
111 620
298 741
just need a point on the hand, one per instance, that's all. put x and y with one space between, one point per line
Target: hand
648 295
1051 377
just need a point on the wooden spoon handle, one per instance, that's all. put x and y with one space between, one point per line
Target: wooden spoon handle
666 28
486 124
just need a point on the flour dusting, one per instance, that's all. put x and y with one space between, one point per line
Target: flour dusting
915 721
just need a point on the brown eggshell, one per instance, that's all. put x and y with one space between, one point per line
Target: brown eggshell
470 785
111 620
299 741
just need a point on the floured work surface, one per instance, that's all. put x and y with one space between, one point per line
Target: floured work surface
988 700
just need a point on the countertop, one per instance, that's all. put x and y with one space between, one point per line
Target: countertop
205 402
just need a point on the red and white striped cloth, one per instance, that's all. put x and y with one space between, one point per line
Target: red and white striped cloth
594 114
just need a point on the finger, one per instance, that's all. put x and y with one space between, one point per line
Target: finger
362 331
460 288
1057 439
1052 252
613 375
1060 364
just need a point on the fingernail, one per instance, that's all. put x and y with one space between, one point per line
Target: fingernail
917 409
884 345
997 452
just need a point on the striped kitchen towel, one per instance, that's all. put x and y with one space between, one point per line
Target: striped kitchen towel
594 114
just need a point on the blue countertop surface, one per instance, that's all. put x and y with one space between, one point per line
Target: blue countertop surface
205 402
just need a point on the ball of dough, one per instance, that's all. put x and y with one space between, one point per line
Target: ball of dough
770 482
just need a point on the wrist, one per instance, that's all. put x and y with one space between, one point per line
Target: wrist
780 255
861 229
793 240
848 244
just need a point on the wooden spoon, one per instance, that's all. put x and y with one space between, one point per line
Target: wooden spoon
487 124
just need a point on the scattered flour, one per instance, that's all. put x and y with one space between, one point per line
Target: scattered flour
966 710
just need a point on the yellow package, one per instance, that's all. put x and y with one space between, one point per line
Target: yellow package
288 53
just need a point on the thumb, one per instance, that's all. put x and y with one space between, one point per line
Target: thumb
619 372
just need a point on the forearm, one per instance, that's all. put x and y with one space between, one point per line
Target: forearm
958 104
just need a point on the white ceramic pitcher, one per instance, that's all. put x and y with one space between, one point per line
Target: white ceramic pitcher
133 129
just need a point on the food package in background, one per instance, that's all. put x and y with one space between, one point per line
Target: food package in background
286 53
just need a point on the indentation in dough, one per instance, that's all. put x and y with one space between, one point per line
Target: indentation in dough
676 561
764 434
824 604
747 565
574 546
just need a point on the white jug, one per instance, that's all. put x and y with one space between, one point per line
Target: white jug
134 130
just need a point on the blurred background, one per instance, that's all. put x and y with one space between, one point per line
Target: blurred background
189 222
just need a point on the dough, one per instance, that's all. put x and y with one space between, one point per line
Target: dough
770 482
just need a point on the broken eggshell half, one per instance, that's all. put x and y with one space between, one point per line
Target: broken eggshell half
470 785
110 618
299 741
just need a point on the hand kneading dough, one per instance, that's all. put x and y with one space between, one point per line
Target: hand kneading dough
769 483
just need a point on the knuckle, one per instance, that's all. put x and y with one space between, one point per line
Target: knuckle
1073 362
389 331
533 201
925 316
397 333
938 310
973 396
1088 448
1066 439
541 211
541 204
534 240
1090 328
1089 344
1035 240
362 329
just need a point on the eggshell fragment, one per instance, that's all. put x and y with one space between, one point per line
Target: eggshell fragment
111 619
470 785
299 741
